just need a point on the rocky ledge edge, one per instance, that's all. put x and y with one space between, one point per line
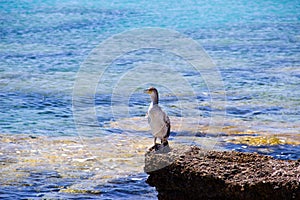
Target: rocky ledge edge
193 173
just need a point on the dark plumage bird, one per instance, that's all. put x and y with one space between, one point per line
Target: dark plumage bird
157 119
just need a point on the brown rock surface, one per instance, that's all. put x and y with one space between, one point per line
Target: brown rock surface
198 174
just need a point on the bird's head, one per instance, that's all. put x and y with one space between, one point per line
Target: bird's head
151 90
153 93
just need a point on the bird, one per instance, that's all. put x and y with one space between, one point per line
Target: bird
158 120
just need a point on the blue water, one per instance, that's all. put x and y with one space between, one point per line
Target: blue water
254 44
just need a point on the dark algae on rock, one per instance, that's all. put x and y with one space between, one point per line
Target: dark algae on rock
199 174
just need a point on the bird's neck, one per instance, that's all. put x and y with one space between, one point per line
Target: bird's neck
154 98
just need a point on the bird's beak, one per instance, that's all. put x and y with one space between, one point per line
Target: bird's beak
146 91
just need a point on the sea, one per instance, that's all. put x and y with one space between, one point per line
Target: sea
72 75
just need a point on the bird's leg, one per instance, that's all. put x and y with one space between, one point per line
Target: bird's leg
154 146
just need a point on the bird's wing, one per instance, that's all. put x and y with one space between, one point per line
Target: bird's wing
168 124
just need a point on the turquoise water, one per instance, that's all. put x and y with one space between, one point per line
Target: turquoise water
255 46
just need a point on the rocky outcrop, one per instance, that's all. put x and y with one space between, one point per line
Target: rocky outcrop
198 174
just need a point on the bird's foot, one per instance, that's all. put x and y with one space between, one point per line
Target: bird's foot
165 143
155 147
160 148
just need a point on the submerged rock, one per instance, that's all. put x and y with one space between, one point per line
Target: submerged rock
196 174
263 140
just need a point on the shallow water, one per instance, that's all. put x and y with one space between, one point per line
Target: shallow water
67 167
255 46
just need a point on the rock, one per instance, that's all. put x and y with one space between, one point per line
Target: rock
192 173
